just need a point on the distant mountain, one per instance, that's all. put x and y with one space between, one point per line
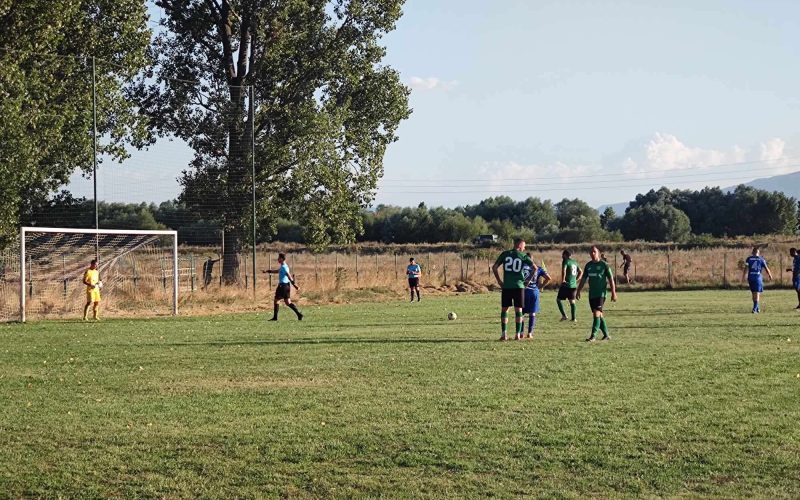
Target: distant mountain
619 208
788 184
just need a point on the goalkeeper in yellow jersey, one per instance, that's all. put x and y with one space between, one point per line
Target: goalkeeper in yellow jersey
91 278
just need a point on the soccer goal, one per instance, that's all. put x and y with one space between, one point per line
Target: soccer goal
139 271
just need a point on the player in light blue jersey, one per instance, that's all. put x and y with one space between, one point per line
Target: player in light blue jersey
413 271
753 267
795 270
284 290
532 303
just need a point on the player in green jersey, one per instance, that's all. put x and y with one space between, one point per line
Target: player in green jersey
513 284
599 275
570 274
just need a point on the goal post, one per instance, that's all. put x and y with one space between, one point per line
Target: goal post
137 264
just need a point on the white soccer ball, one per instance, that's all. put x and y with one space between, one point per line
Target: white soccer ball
99 285
452 316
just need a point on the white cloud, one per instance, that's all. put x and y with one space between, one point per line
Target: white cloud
431 83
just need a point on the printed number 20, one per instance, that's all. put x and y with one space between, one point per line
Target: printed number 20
513 264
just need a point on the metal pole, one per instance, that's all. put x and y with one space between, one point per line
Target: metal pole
94 158
22 275
175 274
253 165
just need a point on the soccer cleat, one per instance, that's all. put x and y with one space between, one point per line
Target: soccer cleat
606 337
563 318
518 336
530 336
503 338
273 319
574 320
299 316
591 339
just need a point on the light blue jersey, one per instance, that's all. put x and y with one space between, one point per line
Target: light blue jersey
540 272
413 270
283 274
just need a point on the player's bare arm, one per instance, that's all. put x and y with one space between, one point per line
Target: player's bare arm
580 286
495 267
613 288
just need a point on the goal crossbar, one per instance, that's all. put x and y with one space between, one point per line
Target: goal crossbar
96 232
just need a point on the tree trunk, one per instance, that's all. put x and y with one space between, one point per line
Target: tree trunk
230 258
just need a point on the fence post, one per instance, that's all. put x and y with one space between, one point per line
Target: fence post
193 275
444 267
356 267
376 265
163 274
780 257
246 282
461 257
669 270
316 271
395 266
616 278
725 270
64 273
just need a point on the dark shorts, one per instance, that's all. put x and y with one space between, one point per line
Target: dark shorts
515 296
756 285
566 293
283 291
531 301
413 282
626 268
596 303
796 282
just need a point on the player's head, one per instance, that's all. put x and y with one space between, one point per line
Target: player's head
622 251
756 250
566 254
93 264
594 253
519 244
793 251
281 257
411 260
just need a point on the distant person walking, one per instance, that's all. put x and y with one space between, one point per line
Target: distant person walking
413 271
795 269
754 266
570 274
626 265
208 268
513 285
284 289
598 273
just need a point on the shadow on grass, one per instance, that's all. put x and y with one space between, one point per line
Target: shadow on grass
331 341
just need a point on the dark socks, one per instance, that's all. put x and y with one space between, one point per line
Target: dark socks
294 308
572 308
531 323
561 309
275 312
412 298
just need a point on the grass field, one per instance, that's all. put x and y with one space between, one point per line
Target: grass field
693 396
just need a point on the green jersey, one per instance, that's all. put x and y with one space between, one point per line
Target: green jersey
513 261
597 273
571 272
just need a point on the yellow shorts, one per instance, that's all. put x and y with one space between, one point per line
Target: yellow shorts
92 295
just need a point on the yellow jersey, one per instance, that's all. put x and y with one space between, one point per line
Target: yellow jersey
91 276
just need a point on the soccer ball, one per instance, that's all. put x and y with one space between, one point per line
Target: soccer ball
99 285
452 316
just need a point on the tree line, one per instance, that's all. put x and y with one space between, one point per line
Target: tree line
661 215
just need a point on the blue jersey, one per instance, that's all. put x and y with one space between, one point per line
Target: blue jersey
526 272
283 274
755 264
413 270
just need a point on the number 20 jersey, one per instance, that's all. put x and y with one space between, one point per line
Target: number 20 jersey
512 262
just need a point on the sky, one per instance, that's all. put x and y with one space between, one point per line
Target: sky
598 100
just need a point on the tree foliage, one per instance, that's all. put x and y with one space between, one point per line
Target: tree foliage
324 108
46 93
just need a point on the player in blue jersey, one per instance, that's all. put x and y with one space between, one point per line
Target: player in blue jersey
413 271
753 267
531 303
284 290
795 270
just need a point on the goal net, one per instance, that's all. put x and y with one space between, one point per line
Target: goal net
43 276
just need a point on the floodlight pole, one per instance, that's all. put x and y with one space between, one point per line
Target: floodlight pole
94 158
252 120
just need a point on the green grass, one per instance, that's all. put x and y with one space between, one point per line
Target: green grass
693 396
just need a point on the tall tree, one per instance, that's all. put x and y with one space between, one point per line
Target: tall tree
46 48
325 109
